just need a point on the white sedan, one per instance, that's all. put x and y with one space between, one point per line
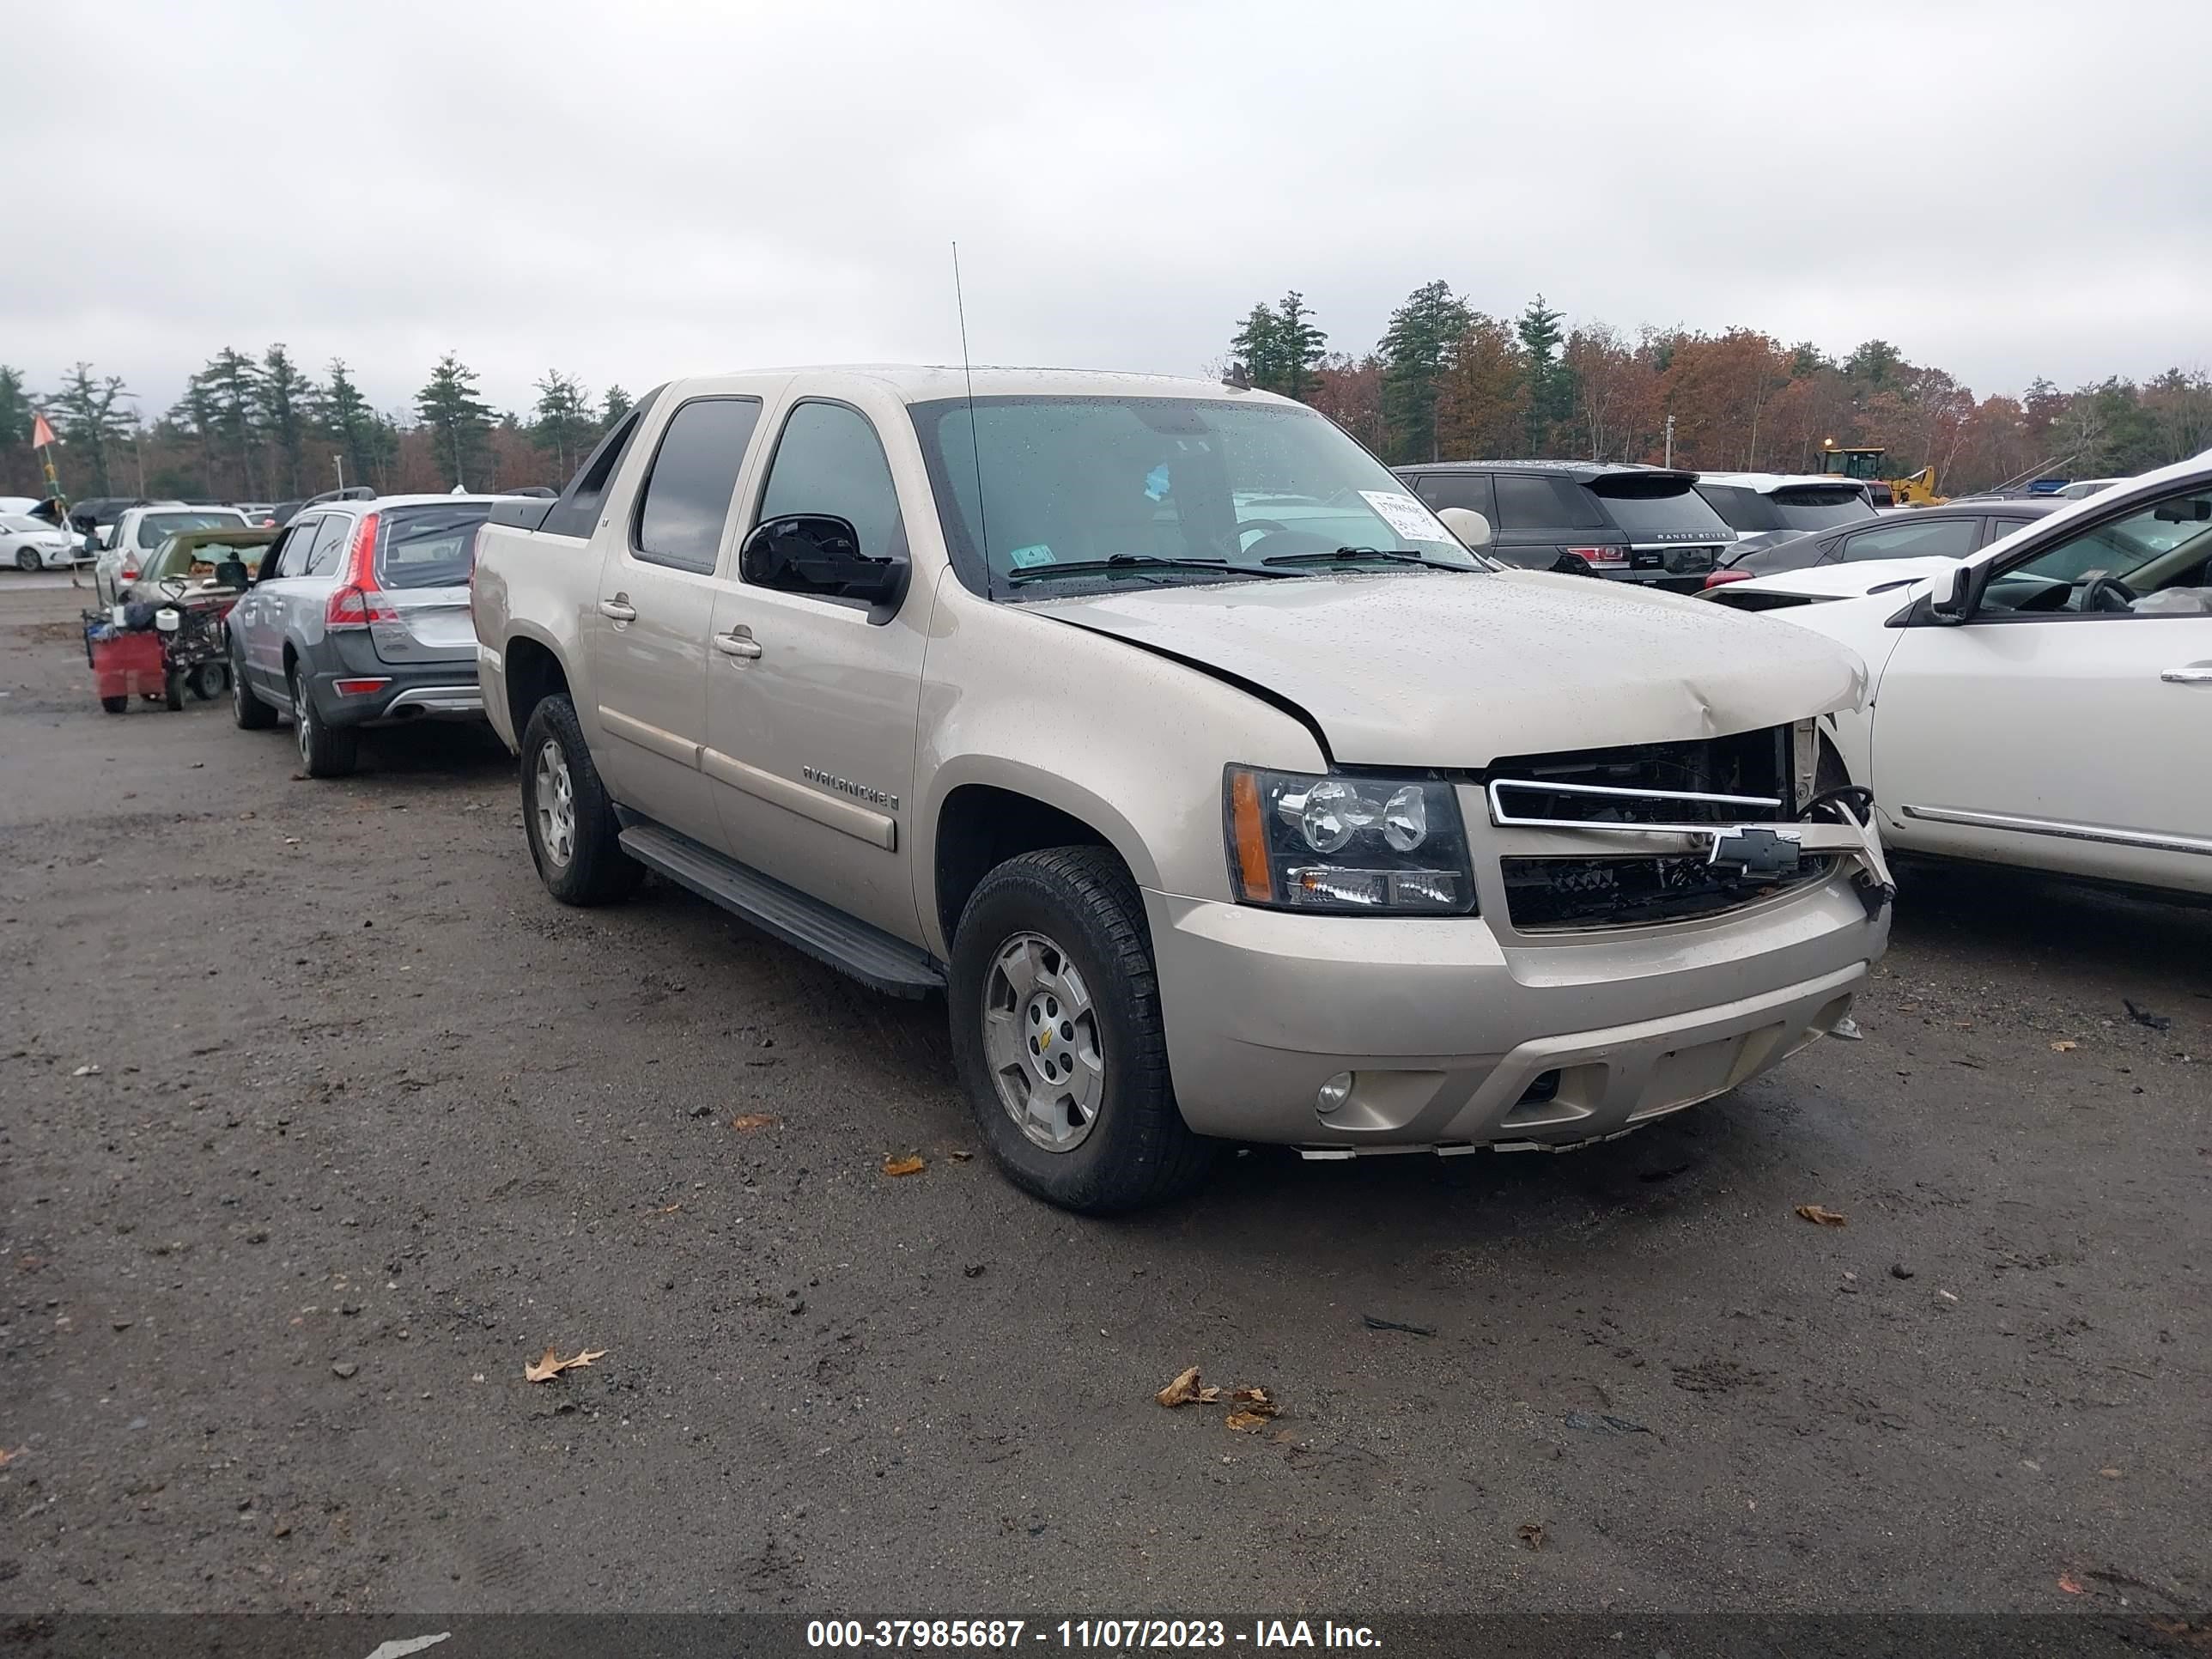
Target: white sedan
30 543
2046 702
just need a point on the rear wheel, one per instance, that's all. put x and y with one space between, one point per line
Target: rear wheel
1057 1036
575 838
205 681
26 558
247 711
325 752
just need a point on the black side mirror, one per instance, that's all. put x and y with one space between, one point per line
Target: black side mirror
816 553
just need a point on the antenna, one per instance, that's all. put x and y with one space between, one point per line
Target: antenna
975 443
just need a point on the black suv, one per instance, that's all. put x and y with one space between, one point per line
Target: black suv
1638 524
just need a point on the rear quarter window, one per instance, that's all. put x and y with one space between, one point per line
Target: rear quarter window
1743 509
1530 502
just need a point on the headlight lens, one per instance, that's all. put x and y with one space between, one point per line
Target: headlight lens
1350 845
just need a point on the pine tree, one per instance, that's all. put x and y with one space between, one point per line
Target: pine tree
283 397
1549 382
562 420
1255 349
1299 347
613 407
14 408
352 423
86 415
230 384
459 422
1415 349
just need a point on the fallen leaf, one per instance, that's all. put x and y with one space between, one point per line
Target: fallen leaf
910 1164
2069 1584
1180 1392
550 1364
1254 1400
1815 1213
1245 1421
2064 1045
1530 1533
746 1123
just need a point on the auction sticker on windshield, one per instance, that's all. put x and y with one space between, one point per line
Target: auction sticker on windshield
1405 514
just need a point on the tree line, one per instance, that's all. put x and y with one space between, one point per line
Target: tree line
1449 382
260 428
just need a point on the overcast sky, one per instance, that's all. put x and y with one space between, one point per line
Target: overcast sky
631 192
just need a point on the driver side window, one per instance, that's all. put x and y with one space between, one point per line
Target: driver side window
2155 562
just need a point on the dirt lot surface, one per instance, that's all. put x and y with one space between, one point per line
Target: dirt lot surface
322 1120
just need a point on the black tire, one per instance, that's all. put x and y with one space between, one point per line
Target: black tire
173 689
594 869
1136 1149
116 705
247 711
325 751
26 558
205 681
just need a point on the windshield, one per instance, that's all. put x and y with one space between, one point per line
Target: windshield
428 546
156 528
1659 507
1811 507
1074 480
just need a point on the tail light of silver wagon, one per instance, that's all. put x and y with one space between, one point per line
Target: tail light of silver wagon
358 602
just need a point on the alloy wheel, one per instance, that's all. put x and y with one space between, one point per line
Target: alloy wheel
555 795
1040 1037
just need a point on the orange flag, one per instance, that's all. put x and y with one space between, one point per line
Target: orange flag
41 434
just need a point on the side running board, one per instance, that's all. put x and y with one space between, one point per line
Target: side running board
824 933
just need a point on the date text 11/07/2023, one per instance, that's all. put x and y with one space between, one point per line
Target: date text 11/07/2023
1089 1635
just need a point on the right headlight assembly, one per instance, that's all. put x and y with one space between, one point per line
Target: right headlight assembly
1354 846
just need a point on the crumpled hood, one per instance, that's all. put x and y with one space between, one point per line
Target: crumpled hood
1456 671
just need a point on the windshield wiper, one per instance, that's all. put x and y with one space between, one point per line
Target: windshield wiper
1134 563
1343 555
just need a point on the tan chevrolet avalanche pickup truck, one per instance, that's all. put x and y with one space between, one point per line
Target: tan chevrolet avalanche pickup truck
1224 792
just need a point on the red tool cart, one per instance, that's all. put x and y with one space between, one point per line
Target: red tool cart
127 662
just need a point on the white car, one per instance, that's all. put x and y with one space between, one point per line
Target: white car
2046 702
141 530
30 543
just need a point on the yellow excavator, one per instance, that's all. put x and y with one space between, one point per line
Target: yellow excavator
1863 462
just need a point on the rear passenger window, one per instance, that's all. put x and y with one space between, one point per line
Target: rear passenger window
1527 503
329 547
1936 538
687 495
830 460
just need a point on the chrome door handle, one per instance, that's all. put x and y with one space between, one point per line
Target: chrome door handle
2190 675
738 645
618 610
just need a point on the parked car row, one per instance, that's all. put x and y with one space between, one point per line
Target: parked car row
1226 786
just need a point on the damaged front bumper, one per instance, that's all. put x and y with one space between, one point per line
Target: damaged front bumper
1346 1035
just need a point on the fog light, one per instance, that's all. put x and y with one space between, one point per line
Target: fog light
1334 1094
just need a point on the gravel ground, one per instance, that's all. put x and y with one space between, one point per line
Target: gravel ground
322 1120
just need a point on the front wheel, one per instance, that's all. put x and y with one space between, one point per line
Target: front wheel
116 705
325 751
26 558
574 839
1058 1036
